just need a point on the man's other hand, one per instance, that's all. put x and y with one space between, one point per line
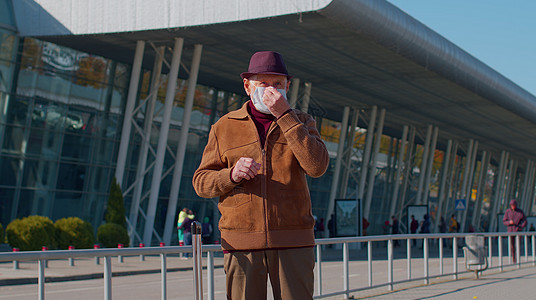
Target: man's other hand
246 168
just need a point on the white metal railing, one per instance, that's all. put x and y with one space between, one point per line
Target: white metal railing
197 250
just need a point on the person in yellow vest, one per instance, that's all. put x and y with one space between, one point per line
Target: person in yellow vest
183 214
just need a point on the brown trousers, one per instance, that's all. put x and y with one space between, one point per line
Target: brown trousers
290 270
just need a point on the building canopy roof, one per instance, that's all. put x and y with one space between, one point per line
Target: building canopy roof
356 53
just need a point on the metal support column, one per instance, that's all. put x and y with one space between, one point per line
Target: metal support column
466 172
470 181
348 154
366 156
484 163
422 171
306 97
338 163
409 166
498 189
145 143
181 150
442 185
131 101
162 141
399 168
431 156
374 161
294 89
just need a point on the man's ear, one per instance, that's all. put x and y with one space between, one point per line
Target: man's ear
246 85
288 84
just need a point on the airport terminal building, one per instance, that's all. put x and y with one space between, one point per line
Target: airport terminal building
129 89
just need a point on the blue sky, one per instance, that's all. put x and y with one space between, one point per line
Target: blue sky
500 33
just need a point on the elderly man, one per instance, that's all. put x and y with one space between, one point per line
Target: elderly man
514 219
256 161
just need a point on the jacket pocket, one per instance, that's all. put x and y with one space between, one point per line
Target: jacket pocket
291 209
236 210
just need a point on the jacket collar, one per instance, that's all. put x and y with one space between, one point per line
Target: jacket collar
241 113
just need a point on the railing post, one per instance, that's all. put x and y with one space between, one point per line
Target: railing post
526 244
210 275
41 280
163 268
71 260
45 248
196 254
441 256
107 278
390 264
408 247
319 269
15 262
369 254
346 274
490 251
425 253
120 257
500 245
533 249
142 257
518 251
510 254
97 258
455 258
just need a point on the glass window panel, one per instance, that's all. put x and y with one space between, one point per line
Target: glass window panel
26 205
40 174
121 78
13 140
6 75
6 202
9 168
104 151
31 54
68 205
71 177
7 45
76 147
17 111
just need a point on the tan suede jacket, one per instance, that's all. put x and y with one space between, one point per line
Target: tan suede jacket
272 210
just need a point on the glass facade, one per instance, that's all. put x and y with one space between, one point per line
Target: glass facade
61 116
60 128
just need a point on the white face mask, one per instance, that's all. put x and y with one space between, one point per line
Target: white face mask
256 98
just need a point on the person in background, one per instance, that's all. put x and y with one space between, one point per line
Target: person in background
413 226
256 161
531 228
183 214
394 230
331 226
206 232
365 225
186 227
443 229
514 219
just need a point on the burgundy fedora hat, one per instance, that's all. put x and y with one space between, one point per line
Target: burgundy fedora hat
266 62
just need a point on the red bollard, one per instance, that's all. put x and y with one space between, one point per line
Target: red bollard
16 262
119 257
71 260
142 257
97 259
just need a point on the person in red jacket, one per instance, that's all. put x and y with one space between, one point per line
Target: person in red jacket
514 219
256 161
